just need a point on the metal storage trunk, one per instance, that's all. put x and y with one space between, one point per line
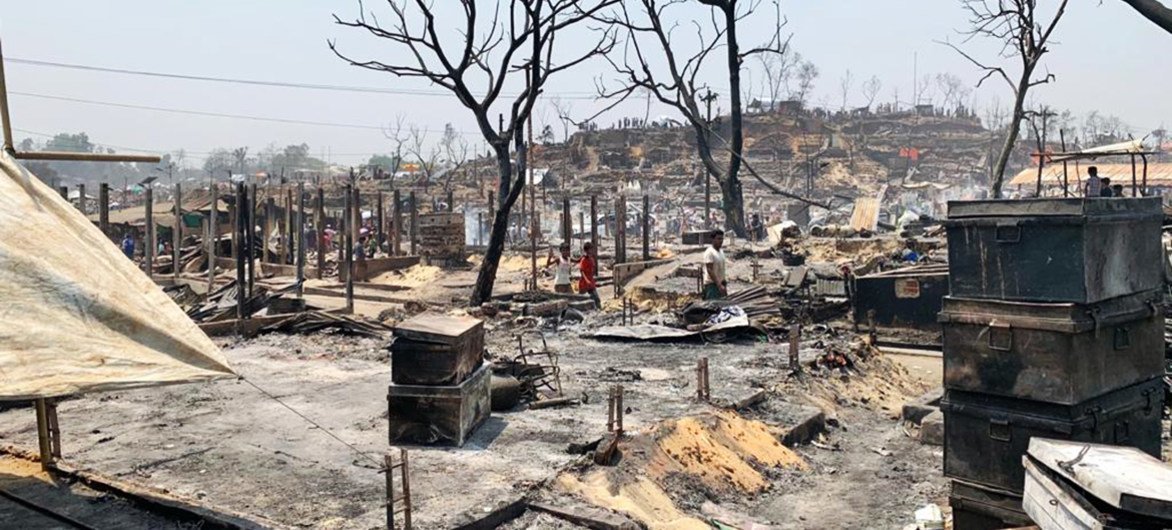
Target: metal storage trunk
908 298
979 508
420 414
436 350
1055 250
1057 353
985 436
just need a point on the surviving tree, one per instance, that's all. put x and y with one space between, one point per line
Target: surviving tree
1025 35
512 46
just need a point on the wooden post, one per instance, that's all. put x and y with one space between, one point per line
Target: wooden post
795 334
148 248
239 248
356 213
381 220
567 221
64 191
288 256
479 228
104 208
397 229
646 228
81 198
594 220
414 224
44 437
300 239
581 227
270 212
451 201
319 225
250 238
620 215
349 247
213 234
177 232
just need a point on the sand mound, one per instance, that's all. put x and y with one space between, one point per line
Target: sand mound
414 276
648 299
719 452
641 498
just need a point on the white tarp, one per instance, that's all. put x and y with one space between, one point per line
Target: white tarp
77 316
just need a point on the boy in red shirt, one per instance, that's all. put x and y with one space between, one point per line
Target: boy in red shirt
588 266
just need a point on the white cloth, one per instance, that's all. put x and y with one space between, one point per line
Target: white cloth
715 258
562 274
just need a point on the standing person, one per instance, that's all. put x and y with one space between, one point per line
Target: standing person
588 266
1117 190
1094 185
715 280
561 276
360 259
128 245
1106 189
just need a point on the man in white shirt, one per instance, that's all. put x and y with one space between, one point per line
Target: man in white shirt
715 280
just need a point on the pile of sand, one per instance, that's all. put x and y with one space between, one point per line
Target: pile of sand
509 263
723 451
648 299
411 277
720 452
640 498
820 250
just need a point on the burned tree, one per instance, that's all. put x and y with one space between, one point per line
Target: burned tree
871 88
1154 11
649 44
477 58
1025 35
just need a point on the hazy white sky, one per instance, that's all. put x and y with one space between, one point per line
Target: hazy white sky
1107 58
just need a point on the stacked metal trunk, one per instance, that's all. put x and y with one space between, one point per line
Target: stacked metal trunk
1053 329
440 384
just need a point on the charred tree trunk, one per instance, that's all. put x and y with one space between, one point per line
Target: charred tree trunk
1154 11
486 277
732 199
1011 134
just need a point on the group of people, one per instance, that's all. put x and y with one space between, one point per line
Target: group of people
563 263
1100 187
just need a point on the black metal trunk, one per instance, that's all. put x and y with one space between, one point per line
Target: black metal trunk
1056 250
902 298
1052 352
979 508
422 414
436 350
986 436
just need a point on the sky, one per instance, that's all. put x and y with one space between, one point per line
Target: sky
1106 58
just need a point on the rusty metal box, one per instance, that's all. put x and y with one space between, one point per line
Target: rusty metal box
1053 352
422 414
979 508
985 436
436 350
1055 250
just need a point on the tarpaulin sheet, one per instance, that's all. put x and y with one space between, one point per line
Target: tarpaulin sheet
76 316
658 333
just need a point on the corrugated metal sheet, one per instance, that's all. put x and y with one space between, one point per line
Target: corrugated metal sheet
1158 174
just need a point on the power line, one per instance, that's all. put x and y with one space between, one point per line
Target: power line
216 114
257 82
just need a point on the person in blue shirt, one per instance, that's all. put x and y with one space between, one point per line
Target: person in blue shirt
128 246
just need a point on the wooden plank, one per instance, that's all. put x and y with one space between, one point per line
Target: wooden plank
1050 507
592 518
1123 477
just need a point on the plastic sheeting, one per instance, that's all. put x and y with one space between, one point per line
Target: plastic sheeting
76 316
